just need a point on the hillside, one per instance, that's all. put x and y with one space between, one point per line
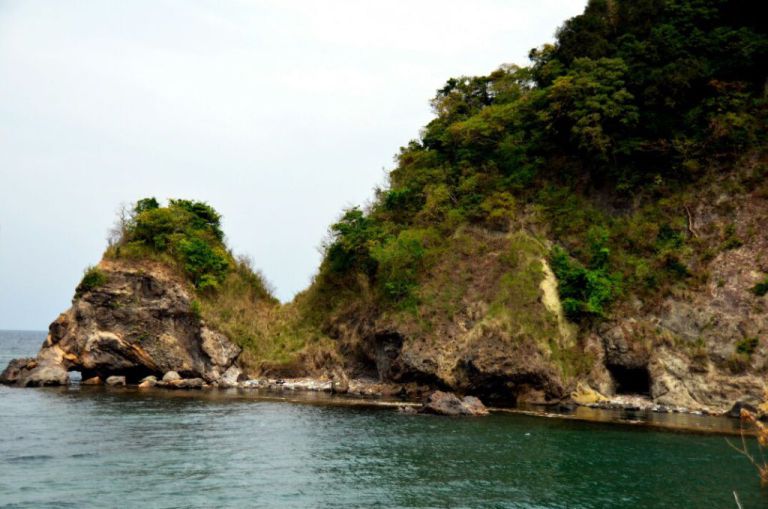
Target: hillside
629 162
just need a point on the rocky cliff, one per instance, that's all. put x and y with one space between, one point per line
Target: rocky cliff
139 319
702 345
489 322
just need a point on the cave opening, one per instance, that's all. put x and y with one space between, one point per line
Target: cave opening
135 374
388 346
631 380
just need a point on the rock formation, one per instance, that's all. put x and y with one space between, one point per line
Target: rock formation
699 348
447 403
501 337
141 321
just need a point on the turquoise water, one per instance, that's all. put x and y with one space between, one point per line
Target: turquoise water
121 448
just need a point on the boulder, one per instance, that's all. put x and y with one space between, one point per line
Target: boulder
339 383
116 380
586 395
473 406
186 383
15 368
230 377
43 373
448 403
171 376
94 380
219 349
148 381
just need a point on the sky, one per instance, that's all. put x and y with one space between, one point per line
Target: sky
279 113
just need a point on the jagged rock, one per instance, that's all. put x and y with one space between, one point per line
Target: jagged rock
171 376
230 377
15 368
586 395
140 322
689 343
501 356
94 380
447 403
44 374
625 346
116 380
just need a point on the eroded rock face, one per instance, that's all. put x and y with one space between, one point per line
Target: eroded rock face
139 323
707 347
497 337
12 372
35 372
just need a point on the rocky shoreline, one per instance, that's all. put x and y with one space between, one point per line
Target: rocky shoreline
141 329
413 398
407 397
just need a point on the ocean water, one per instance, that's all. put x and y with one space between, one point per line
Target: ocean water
96 447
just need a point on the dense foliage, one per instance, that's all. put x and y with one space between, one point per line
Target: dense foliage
187 232
93 277
597 140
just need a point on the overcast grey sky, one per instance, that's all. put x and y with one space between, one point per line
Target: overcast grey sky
278 113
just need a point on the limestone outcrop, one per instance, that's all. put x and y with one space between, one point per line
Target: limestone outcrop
141 320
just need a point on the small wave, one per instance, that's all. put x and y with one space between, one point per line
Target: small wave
82 455
32 458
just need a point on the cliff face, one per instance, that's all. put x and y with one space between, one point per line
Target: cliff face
139 320
703 345
488 323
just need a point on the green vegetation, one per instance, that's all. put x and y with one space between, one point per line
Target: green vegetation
761 288
747 346
597 143
186 233
186 236
584 291
274 338
93 277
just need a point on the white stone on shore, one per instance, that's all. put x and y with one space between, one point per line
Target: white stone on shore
171 376
116 380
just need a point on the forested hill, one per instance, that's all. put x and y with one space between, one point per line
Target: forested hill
635 102
616 159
